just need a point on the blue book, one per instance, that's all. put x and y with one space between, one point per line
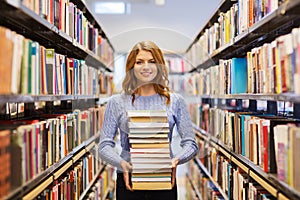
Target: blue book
243 135
229 175
238 73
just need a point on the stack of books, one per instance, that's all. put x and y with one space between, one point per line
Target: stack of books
150 150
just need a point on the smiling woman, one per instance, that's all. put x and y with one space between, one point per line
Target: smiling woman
145 88
145 69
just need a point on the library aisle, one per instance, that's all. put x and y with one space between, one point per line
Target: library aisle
240 75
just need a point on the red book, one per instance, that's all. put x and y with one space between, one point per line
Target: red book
266 125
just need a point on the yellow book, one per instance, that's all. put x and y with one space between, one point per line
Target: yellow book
278 81
227 27
162 174
148 119
151 185
153 145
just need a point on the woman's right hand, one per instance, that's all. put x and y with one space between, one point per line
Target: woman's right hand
126 167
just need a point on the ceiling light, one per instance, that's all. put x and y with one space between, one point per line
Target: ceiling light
111 8
159 2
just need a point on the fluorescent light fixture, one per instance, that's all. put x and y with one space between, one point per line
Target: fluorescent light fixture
159 2
110 8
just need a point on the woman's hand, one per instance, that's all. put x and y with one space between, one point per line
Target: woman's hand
126 167
174 166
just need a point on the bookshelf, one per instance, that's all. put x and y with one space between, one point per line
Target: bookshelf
21 19
43 180
207 53
276 23
191 182
269 181
28 19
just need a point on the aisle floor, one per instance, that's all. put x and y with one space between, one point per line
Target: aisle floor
181 169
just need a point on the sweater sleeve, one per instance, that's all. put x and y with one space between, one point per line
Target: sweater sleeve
185 130
109 130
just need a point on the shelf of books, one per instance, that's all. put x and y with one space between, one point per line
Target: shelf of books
202 184
50 149
191 186
237 27
214 154
41 62
55 72
60 25
245 70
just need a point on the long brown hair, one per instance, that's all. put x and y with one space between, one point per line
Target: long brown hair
161 81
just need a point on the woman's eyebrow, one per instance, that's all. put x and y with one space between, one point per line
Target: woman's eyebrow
140 59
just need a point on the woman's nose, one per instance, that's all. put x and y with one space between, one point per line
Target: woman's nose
146 65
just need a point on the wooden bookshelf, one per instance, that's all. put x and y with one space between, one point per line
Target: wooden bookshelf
190 179
34 187
263 97
270 182
83 195
24 21
36 98
273 25
278 22
204 170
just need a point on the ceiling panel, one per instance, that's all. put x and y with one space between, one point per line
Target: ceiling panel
172 26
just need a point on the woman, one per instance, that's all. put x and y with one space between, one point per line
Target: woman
145 87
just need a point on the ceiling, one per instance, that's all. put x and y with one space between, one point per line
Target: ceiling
173 26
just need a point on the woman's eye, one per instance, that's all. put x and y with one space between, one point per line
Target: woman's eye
142 62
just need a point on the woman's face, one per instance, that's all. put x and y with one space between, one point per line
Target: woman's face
145 68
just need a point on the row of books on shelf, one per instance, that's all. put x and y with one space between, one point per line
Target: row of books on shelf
228 181
272 68
31 146
149 149
29 68
105 185
203 186
75 180
182 83
270 142
229 24
175 64
68 18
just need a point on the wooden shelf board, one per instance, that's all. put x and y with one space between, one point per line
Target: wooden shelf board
63 169
36 191
90 146
198 194
263 183
78 155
